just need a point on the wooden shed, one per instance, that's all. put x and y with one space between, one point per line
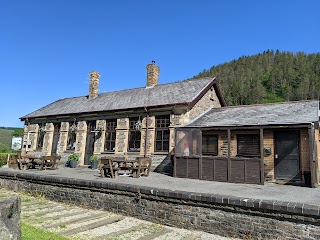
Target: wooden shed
252 144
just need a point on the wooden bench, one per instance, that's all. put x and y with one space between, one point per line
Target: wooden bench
27 161
108 167
142 168
13 161
49 162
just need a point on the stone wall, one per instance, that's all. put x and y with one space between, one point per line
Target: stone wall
223 215
10 218
304 149
209 100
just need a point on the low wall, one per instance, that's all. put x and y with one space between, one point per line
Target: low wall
223 215
10 218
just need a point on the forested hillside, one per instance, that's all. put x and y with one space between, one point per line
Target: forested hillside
268 77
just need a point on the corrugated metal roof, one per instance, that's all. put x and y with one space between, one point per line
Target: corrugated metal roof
252 115
182 92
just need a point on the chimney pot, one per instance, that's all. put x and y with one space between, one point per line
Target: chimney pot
94 83
152 74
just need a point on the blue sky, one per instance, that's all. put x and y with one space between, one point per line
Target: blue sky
48 48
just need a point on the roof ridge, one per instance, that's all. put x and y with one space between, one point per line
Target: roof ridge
172 94
163 84
267 104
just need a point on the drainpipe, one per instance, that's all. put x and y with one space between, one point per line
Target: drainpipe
146 135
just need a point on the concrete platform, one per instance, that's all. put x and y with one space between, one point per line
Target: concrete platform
269 191
266 211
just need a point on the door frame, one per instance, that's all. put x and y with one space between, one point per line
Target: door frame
90 127
56 135
299 178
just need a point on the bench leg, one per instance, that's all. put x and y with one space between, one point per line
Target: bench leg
102 172
135 173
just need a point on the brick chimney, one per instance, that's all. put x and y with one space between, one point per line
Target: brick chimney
94 83
152 74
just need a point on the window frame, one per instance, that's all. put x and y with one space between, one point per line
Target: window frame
111 125
216 144
69 136
253 137
134 132
40 136
162 125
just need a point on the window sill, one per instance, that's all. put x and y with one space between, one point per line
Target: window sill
248 156
160 153
111 152
69 151
133 152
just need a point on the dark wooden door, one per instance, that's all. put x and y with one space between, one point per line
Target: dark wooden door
287 155
90 141
56 137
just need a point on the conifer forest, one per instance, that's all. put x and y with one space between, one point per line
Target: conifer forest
268 77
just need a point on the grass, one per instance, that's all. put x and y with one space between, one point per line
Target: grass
32 233
5 139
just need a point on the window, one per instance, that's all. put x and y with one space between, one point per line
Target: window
41 132
134 136
162 133
210 144
71 143
110 141
248 145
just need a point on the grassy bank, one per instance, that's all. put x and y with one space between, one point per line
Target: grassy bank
29 232
5 139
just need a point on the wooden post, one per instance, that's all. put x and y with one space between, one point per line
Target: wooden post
262 155
229 154
315 155
174 156
199 143
312 155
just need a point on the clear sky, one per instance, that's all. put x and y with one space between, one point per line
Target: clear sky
48 47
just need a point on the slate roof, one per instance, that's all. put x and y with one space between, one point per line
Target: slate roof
301 112
183 92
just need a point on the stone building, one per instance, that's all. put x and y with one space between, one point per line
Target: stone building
135 122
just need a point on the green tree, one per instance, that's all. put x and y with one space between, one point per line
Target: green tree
18 132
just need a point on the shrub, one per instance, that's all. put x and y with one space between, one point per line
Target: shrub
93 158
73 157
3 159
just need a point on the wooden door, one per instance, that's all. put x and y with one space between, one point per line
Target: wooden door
287 155
56 137
90 141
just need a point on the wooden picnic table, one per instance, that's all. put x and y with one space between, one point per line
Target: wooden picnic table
110 166
49 162
29 161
